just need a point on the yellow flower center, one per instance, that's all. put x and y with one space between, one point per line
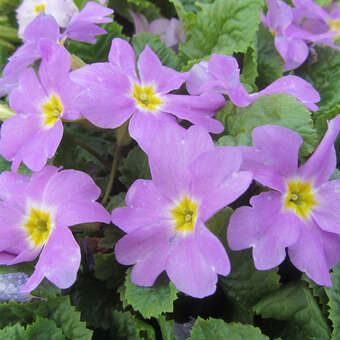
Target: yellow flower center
146 97
38 226
334 25
300 198
39 8
185 215
52 110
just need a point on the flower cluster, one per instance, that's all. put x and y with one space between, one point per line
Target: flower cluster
192 179
295 27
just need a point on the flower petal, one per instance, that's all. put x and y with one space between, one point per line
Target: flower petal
189 269
122 55
196 109
265 228
309 256
148 249
320 166
216 180
59 261
152 72
145 207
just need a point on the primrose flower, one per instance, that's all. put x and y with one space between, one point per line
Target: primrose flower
171 31
317 20
76 25
62 11
222 74
301 213
290 38
35 215
34 133
164 217
144 97
82 27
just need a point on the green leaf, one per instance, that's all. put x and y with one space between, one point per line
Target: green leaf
134 166
167 56
324 75
222 27
95 302
149 301
43 329
323 2
295 304
270 63
107 269
278 109
127 327
167 327
58 309
15 332
99 51
249 68
219 330
333 294
245 285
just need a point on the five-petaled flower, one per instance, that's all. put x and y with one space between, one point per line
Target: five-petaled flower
164 218
301 213
35 215
144 97
34 133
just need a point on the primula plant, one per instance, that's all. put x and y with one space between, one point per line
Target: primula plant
169 169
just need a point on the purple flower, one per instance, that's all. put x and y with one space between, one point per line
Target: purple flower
34 133
35 215
171 31
144 97
62 11
317 20
289 37
222 74
82 27
301 213
164 217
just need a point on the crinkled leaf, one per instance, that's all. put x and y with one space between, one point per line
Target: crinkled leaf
319 293
134 166
43 329
295 304
165 54
149 301
249 68
167 328
126 326
245 285
222 27
107 269
58 309
324 75
219 330
15 332
95 302
270 64
277 109
333 294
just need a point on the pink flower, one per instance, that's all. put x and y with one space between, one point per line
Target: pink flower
301 213
34 133
165 217
35 215
142 98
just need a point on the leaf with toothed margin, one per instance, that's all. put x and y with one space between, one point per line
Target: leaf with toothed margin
149 301
219 330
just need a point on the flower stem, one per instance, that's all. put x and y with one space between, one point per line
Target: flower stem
112 173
